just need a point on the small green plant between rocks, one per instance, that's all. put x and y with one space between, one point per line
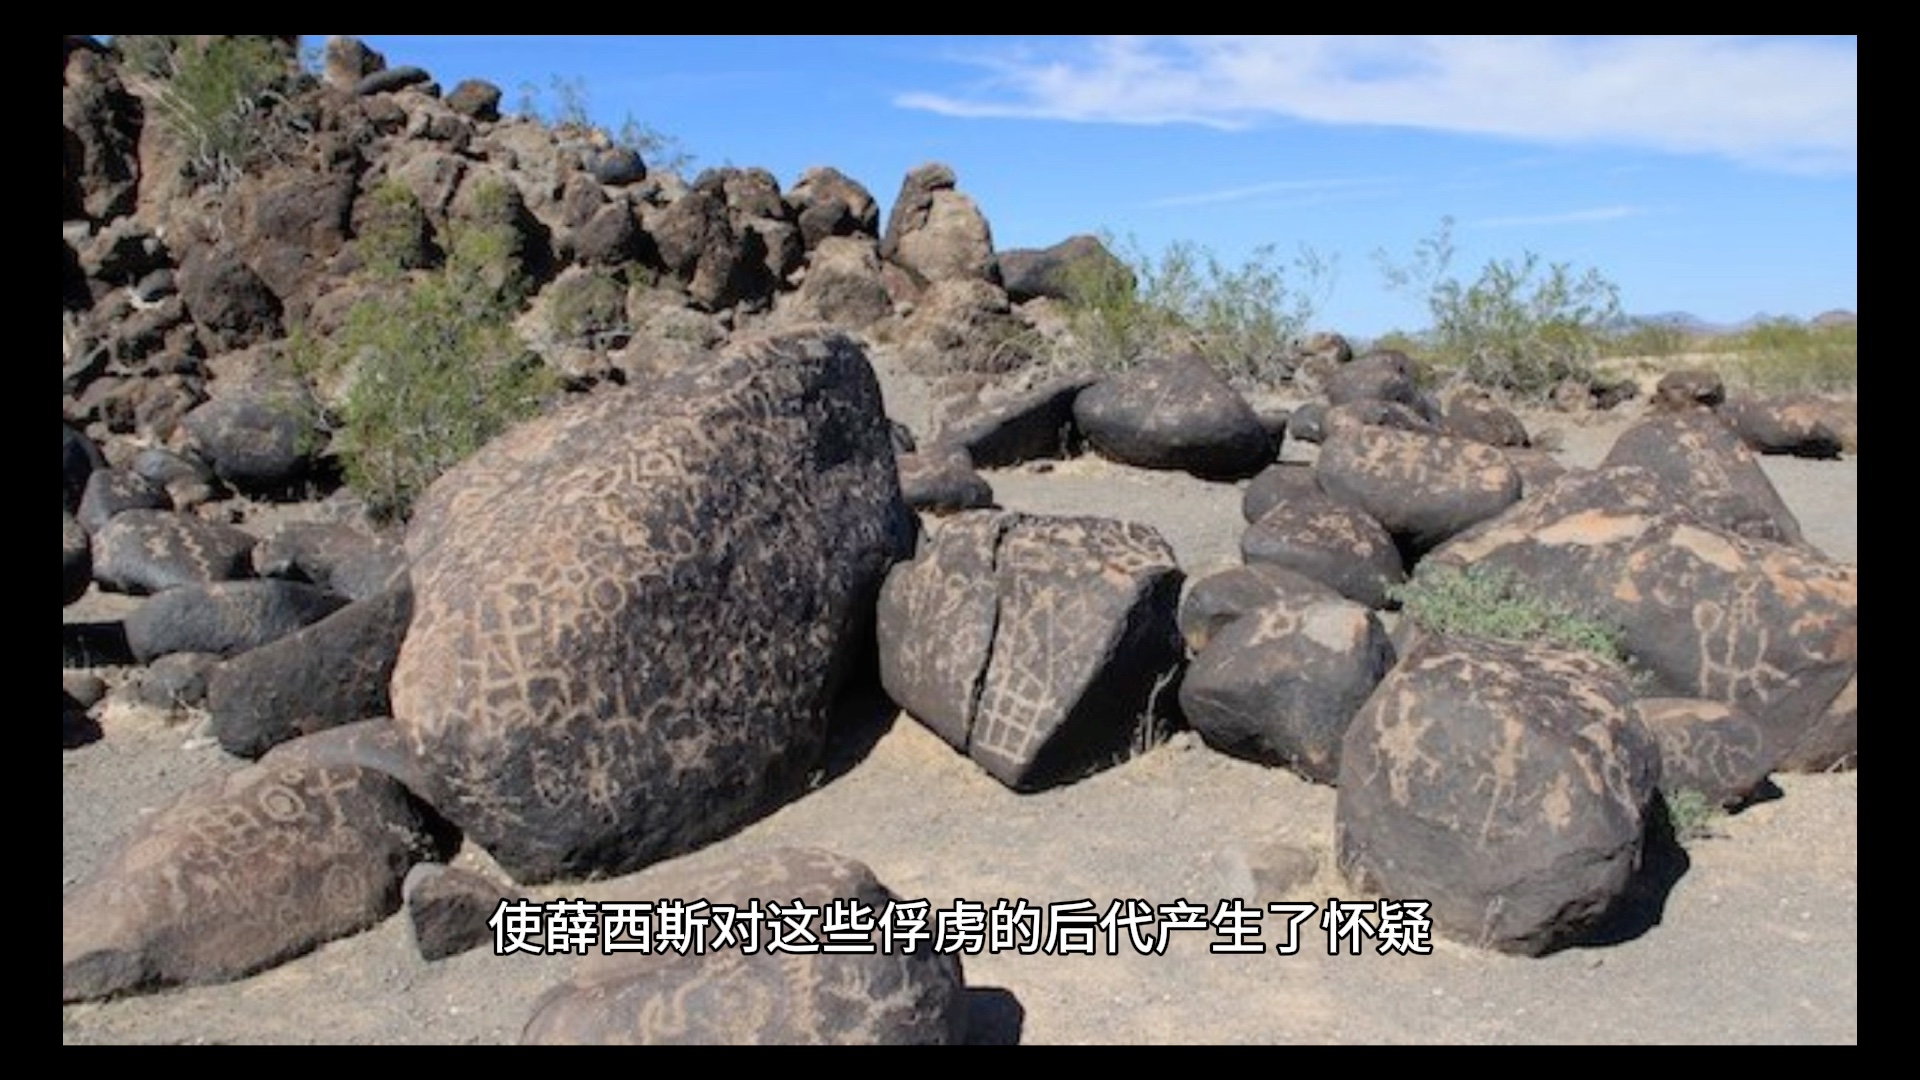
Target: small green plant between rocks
432 365
1494 604
1692 815
219 96
1787 356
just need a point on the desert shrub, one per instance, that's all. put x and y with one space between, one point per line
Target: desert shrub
1244 319
1398 341
434 368
219 96
1521 327
1494 604
1654 339
394 234
1691 814
588 307
565 105
1784 355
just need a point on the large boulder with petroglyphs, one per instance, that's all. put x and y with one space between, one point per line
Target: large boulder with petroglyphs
1035 645
1280 684
1695 453
1330 541
1218 599
1422 488
1803 425
1769 628
1706 747
248 871
852 987
149 551
1506 784
631 616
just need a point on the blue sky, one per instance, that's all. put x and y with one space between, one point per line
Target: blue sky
1714 175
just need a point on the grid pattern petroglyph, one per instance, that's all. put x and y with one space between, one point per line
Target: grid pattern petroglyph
1067 586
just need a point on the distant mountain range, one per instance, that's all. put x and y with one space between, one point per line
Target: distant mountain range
1693 324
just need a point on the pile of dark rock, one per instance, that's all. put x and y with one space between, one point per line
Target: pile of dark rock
620 631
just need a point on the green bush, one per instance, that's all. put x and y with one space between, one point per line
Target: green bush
1784 356
435 368
1651 339
1244 319
659 151
1692 815
394 235
218 96
1494 604
587 307
1521 327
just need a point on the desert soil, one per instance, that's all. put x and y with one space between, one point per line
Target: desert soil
1750 935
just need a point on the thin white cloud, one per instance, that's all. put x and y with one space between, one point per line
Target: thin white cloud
1784 103
1570 217
1274 187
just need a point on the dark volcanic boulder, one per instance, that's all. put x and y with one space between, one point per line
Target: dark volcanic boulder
241 874
631 616
230 302
1475 416
1422 488
146 551
1219 599
1723 483
449 909
260 440
1385 375
937 233
391 79
1800 424
1067 271
1330 542
1771 629
477 99
826 203
1833 741
1679 391
1176 413
100 122
852 990
959 325
1707 747
110 491
1372 412
331 673
1277 483
1034 645
332 556
1308 423
225 618
1507 784
843 284
1036 424
1280 684
187 480
174 681
698 244
942 480
1537 468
